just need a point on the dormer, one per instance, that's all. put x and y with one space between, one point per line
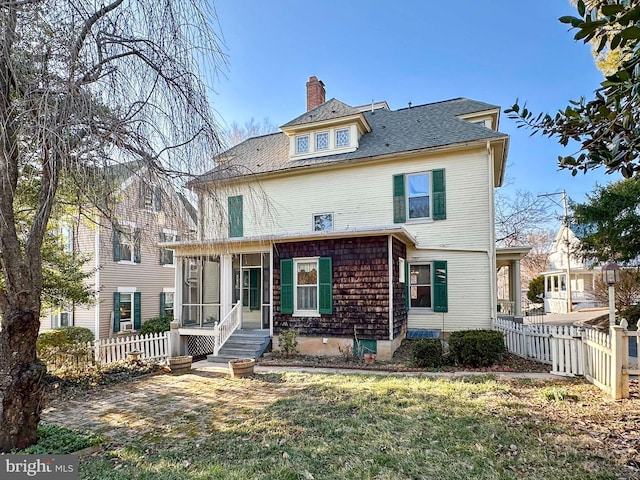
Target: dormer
327 128
487 118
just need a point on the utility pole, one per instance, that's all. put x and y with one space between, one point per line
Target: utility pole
565 224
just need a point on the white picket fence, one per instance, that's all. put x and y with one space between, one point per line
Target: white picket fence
603 358
152 346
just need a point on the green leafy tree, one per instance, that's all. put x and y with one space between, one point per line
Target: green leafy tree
536 289
85 85
608 222
606 127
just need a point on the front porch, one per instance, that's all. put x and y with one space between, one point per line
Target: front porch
508 286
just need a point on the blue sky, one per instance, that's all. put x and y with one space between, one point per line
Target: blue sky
411 50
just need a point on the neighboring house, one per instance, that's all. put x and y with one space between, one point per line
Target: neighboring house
350 223
564 262
133 276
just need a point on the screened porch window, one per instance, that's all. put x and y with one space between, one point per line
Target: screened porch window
200 291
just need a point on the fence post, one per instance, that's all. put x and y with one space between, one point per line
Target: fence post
617 338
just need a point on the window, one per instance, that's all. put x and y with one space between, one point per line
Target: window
418 197
166 254
126 310
322 141
126 244
342 138
62 317
166 303
420 279
66 232
306 281
427 286
150 197
322 222
302 144
306 286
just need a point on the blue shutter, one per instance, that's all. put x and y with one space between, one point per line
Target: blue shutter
399 200
440 296
286 286
137 314
116 312
439 195
325 286
235 216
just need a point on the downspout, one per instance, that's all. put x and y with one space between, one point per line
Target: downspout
96 254
390 248
492 237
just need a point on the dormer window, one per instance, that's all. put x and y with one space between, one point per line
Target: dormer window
322 141
302 143
342 138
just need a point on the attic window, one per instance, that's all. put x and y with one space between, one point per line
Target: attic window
342 138
322 141
302 143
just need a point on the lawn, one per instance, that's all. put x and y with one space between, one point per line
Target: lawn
313 426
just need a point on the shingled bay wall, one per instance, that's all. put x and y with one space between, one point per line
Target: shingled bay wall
360 269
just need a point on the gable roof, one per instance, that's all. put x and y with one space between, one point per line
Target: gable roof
327 111
392 132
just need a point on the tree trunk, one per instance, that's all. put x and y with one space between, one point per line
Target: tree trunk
21 392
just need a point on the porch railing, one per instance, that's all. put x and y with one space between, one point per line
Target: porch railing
223 330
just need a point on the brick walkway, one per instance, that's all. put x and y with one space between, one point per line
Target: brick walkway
159 405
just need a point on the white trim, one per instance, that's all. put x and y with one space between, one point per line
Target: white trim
168 290
96 254
127 289
296 311
271 290
390 263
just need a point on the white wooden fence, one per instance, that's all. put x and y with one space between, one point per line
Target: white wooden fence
603 358
153 346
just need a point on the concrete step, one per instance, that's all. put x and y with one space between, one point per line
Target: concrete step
242 344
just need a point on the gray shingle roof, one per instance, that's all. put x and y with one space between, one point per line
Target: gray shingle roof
328 110
408 129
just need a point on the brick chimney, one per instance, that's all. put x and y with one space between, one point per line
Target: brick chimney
315 93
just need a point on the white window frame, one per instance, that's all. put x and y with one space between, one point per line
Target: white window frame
128 291
415 285
314 224
57 313
401 270
337 132
326 134
297 140
172 291
150 188
429 195
302 312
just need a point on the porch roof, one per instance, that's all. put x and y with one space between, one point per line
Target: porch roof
226 245
506 255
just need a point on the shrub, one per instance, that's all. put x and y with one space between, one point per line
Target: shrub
64 346
476 348
156 324
427 352
288 342
536 289
632 315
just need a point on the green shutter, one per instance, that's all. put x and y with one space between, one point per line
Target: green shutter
325 286
157 199
117 255
137 314
439 195
116 312
407 300
235 216
162 304
399 200
440 297
137 234
286 286
254 289
141 194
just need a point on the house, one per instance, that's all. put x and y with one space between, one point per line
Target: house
351 226
133 277
564 262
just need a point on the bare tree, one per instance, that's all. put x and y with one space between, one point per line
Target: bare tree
537 260
83 85
236 134
519 216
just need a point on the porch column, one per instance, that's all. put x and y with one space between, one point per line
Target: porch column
516 297
177 295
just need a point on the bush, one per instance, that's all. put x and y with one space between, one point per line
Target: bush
536 289
632 315
288 343
65 346
156 325
427 352
476 348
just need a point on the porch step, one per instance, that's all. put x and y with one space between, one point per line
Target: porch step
243 344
